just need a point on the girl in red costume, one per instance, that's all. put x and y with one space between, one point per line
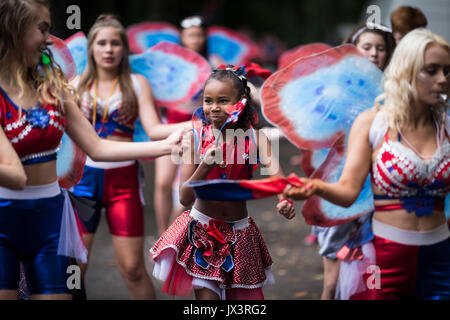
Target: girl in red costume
36 107
216 248
111 99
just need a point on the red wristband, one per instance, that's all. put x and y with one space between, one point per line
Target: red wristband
284 199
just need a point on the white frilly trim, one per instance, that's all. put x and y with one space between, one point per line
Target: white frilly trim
70 242
198 283
351 273
167 258
31 192
205 219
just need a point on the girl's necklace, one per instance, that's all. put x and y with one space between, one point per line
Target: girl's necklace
105 111
414 149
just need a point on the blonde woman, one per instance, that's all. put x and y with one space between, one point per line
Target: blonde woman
36 107
405 146
111 99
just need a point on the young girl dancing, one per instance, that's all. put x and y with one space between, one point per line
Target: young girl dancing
216 248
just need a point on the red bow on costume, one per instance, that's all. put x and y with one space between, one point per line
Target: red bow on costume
213 232
214 239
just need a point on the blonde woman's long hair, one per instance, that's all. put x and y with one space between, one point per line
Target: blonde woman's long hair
401 74
129 99
16 17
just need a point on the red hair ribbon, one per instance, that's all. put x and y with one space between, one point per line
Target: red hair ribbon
254 69
250 70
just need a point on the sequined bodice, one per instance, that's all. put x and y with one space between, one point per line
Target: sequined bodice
35 134
117 123
399 172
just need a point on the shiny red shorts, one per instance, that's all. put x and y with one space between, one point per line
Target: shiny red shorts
116 190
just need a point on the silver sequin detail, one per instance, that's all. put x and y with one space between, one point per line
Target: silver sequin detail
40 154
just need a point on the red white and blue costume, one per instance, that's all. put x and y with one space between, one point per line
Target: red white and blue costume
411 264
115 186
228 257
38 226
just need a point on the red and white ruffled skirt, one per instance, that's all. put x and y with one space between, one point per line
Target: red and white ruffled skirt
197 251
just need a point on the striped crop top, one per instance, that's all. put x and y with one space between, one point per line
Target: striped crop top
400 173
117 122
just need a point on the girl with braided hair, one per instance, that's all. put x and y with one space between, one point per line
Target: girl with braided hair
192 37
216 248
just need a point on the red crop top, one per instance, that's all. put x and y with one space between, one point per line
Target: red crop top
36 136
399 173
118 122
239 165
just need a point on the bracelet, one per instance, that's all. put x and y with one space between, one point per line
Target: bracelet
284 199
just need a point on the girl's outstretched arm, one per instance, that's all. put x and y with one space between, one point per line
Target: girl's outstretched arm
271 166
191 169
81 132
149 116
12 173
346 190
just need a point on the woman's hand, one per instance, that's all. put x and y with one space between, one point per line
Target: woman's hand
212 157
308 189
174 141
286 208
186 142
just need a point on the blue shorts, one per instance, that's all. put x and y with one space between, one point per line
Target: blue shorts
29 233
118 190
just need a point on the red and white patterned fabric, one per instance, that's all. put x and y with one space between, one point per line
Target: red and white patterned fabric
241 239
31 137
400 172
